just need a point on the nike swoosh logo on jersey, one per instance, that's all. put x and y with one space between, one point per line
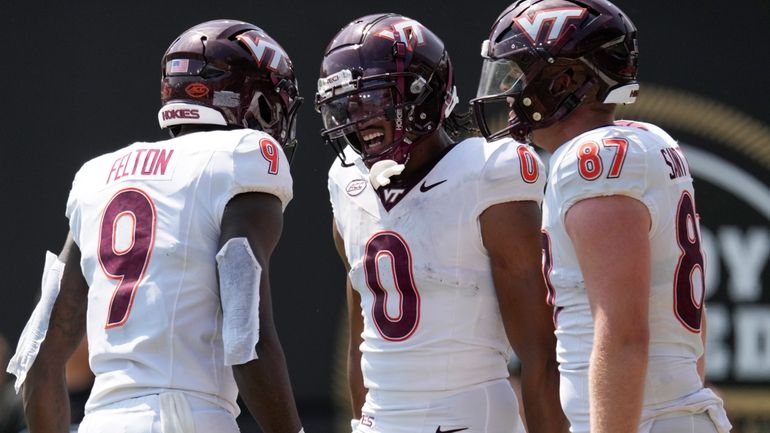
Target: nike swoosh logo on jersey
426 188
438 430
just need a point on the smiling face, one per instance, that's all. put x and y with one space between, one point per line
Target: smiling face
366 120
376 135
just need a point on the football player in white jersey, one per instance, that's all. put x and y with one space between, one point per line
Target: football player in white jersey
440 240
621 240
166 265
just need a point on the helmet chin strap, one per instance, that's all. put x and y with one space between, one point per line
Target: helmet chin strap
399 55
381 172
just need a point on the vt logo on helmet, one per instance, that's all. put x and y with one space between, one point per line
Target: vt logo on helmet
385 84
533 43
229 73
406 31
552 19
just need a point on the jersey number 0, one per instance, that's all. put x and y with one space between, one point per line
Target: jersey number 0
392 245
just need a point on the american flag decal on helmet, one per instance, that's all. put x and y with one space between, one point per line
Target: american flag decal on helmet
177 66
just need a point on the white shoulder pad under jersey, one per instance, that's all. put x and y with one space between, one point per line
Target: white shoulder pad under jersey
147 220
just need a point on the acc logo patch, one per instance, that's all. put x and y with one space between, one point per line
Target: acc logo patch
355 187
197 90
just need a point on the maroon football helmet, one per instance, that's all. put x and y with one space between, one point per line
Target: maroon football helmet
384 69
229 73
533 42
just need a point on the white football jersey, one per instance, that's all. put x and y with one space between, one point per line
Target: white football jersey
147 220
643 162
431 318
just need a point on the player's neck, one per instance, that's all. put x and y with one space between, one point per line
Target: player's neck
427 152
583 119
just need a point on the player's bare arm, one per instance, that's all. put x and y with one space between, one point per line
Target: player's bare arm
610 236
263 383
355 330
511 235
46 402
355 376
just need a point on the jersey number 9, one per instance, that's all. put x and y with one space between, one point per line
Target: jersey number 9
126 238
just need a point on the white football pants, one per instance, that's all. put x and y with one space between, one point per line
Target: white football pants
488 408
171 412
689 423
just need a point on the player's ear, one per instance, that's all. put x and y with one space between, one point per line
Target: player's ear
563 82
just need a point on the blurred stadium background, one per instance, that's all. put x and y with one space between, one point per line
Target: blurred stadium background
82 78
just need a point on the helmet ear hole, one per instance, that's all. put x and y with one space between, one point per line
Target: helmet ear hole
261 114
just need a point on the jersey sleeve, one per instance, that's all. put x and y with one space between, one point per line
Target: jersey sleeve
512 172
256 164
599 167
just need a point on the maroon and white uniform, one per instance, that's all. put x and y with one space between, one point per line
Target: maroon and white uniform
643 162
432 325
147 221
